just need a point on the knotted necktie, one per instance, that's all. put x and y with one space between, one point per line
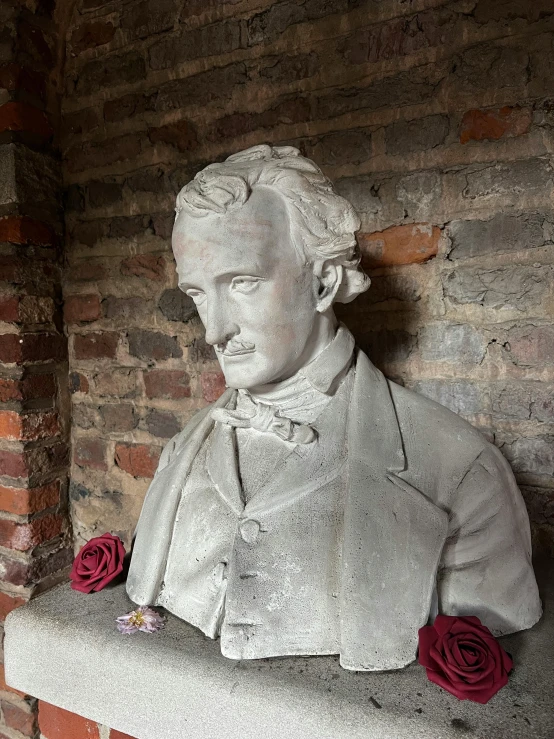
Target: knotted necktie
264 418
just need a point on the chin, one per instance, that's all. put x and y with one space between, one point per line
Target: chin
243 377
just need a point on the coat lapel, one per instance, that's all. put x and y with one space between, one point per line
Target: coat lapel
393 536
155 527
222 466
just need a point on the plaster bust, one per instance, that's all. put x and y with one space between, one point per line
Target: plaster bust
316 507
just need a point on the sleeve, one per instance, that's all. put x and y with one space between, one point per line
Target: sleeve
486 568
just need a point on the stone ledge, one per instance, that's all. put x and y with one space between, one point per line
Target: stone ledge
64 648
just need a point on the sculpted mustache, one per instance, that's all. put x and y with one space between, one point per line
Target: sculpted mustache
235 346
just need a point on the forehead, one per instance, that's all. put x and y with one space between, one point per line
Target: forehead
255 233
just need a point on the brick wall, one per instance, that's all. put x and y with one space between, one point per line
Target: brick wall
432 117
35 536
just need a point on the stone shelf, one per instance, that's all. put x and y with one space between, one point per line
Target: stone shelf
64 648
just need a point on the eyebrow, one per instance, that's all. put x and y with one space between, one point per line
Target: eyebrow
183 284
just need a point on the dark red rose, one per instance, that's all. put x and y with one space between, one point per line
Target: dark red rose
98 562
463 657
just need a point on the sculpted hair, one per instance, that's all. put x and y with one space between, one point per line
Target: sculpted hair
322 222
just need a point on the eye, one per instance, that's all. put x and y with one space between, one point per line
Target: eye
197 295
245 284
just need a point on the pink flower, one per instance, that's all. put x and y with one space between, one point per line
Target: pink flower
143 619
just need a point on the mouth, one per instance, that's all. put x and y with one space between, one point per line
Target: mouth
235 348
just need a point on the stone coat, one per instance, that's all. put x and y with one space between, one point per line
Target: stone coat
432 519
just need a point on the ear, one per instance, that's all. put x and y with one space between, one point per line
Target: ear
328 278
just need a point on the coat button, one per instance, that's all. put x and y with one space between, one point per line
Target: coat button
249 530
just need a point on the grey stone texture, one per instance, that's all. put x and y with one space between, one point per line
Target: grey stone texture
64 648
446 342
514 287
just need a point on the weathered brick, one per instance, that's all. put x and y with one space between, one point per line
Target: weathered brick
89 232
92 154
533 455
80 121
17 116
23 230
99 73
25 536
118 418
194 8
20 348
78 383
22 501
148 179
213 385
149 17
130 105
532 346
138 460
515 287
422 134
91 34
451 342
346 147
28 426
162 224
504 232
103 193
9 308
9 602
529 402
81 308
85 416
32 569
408 244
514 178
400 36
87 272
14 77
21 719
419 194
13 464
478 125
200 351
35 309
153 345
162 423
125 227
150 266
490 66
509 10
214 84
182 135
398 287
460 396
124 308
289 68
176 305
89 452
289 110
170 384
121 383
96 345
27 388
270 24
55 723
217 38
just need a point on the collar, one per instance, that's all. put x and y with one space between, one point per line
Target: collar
330 363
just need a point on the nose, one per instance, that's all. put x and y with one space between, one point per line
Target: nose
218 324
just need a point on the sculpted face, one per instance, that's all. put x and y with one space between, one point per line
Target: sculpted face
255 295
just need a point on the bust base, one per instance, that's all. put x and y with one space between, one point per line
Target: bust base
64 648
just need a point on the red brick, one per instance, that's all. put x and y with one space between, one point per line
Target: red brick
96 345
90 453
213 385
171 384
9 308
89 35
33 569
14 77
28 426
31 387
23 230
78 383
8 603
139 460
4 687
24 536
120 735
16 116
20 348
19 719
23 501
493 124
408 244
55 723
81 308
144 265
13 464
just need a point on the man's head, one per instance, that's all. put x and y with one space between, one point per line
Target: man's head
264 246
